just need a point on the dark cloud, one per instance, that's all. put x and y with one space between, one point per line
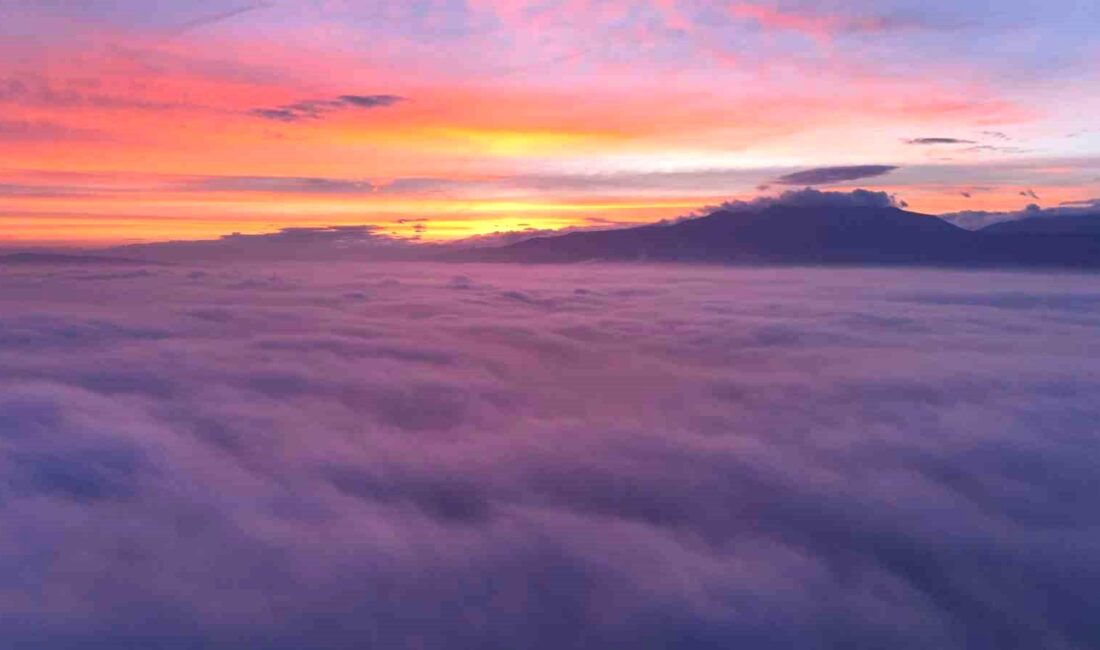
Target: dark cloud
393 456
1087 203
369 101
279 184
932 141
276 114
316 109
302 234
830 175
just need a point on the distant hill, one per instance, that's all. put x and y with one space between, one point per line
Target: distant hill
66 259
1078 224
804 235
327 243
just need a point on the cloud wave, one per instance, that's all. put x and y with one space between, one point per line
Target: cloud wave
348 456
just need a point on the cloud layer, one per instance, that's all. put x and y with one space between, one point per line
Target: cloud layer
349 456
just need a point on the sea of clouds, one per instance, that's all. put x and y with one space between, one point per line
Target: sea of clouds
348 456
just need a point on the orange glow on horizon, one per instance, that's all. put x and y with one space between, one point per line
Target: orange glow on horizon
138 131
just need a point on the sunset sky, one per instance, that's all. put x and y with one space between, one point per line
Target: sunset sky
135 120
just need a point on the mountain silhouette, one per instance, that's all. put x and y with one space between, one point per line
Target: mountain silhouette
804 227
806 235
1077 224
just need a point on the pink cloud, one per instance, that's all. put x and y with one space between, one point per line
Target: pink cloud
819 26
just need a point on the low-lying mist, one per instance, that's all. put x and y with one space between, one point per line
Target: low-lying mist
429 456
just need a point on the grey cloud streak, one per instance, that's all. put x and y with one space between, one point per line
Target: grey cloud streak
317 108
348 456
832 175
278 184
935 141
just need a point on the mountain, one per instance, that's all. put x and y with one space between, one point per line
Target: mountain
804 227
805 235
782 234
1077 224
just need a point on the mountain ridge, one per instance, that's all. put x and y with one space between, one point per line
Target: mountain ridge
810 235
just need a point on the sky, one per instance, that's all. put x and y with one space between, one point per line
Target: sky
130 120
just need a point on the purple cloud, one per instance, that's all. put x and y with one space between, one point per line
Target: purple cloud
278 184
340 455
831 175
807 197
30 131
935 141
316 109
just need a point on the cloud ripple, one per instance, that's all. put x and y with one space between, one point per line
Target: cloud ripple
347 456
